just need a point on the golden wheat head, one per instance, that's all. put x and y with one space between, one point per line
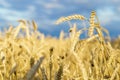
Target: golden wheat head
92 23
63 19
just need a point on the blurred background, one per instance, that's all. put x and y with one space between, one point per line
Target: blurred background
46 12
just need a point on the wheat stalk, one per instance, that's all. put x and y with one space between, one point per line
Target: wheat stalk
58 75
44 76
30 74
115 72
50 63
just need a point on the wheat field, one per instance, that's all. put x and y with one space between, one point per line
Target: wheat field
27 54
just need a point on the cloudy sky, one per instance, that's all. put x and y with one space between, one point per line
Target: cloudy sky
46 12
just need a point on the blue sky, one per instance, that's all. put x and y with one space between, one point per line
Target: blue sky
46 12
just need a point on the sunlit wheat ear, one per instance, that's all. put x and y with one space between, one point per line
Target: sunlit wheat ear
20 26
9 31
34 25
63 19
73 31
30 74
99 31
25 26
92 22
10 28
22 21
61 37
107 33
2 56
13 69
116 71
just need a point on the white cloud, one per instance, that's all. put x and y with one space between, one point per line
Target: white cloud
78 1
116 1
118 9
31 8
50 5
11 16
4 3
107 15
45 23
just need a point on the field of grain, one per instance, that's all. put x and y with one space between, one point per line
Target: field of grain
27 54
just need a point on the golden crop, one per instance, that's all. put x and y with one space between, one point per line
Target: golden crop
26 54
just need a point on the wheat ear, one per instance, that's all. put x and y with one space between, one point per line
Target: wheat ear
92 22
63 19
